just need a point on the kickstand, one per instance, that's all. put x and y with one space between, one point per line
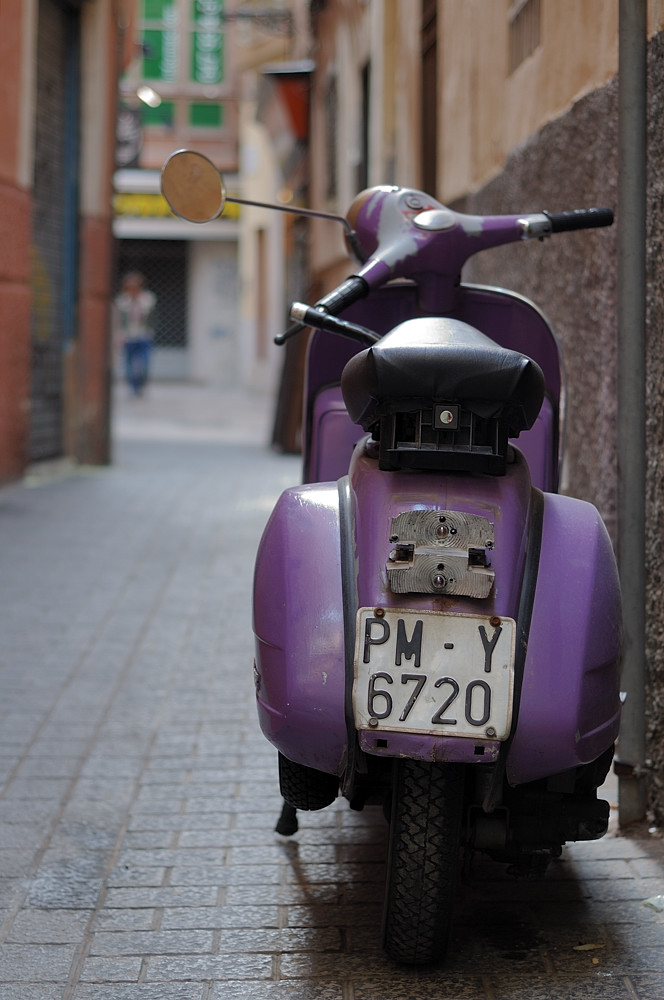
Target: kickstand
287 823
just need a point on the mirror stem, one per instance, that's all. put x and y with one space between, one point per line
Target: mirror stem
351 235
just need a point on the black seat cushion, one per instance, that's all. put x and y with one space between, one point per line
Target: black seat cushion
437 359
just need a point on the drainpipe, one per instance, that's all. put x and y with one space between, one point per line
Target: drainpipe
632 119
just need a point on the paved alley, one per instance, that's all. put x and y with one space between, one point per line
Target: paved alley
138 797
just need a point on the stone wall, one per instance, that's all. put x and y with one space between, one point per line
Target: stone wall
571 163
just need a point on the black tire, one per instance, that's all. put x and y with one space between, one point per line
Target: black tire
423 860
305 787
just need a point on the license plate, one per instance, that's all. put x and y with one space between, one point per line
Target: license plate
435 673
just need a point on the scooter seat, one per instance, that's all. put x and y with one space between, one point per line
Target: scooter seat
436 359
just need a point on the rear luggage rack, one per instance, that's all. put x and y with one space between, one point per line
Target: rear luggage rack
442 437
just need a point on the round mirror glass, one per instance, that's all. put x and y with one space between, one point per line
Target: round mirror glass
192 186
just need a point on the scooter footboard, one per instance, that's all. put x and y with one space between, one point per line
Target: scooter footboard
299 629
570 701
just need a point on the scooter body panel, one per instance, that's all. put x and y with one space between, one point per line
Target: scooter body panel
381 496
378 497
333 437
567 707
302 676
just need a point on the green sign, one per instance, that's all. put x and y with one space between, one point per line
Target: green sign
162 27
160 40
207 42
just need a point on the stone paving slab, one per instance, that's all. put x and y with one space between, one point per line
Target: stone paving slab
138 798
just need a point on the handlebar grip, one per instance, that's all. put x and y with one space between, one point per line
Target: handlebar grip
349 291
581 218
320 319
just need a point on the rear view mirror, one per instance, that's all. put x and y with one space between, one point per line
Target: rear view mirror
195 190
193 187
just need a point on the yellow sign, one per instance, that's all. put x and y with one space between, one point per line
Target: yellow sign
147 205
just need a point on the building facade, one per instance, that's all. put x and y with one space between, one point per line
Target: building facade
59 75
196 81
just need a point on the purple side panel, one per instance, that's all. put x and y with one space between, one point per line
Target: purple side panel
516 323
538 448
333 437
298 624
570 704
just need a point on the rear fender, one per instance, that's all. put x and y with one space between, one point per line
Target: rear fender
570 701
299 629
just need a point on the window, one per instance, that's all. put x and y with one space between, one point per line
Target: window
363 165
203 115
207 48
182 56
158 36
524 31
160 117
331 108
429 103
163 25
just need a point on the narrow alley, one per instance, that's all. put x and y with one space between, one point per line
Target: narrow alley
138 798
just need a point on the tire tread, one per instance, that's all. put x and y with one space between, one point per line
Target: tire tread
423 861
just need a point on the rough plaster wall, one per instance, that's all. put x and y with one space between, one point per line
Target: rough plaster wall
571 163
655 430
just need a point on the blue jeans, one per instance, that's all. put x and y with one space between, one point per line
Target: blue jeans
137 362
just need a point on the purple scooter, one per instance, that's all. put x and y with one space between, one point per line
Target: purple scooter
437 629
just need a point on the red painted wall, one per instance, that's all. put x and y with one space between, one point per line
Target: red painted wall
15 218
86 362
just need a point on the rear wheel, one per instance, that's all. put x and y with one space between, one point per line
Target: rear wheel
423 861
305 787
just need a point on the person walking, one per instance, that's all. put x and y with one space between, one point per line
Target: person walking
135 306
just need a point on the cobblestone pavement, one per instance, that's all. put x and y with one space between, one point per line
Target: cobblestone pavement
138 798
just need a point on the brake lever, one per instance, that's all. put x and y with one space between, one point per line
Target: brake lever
292 330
